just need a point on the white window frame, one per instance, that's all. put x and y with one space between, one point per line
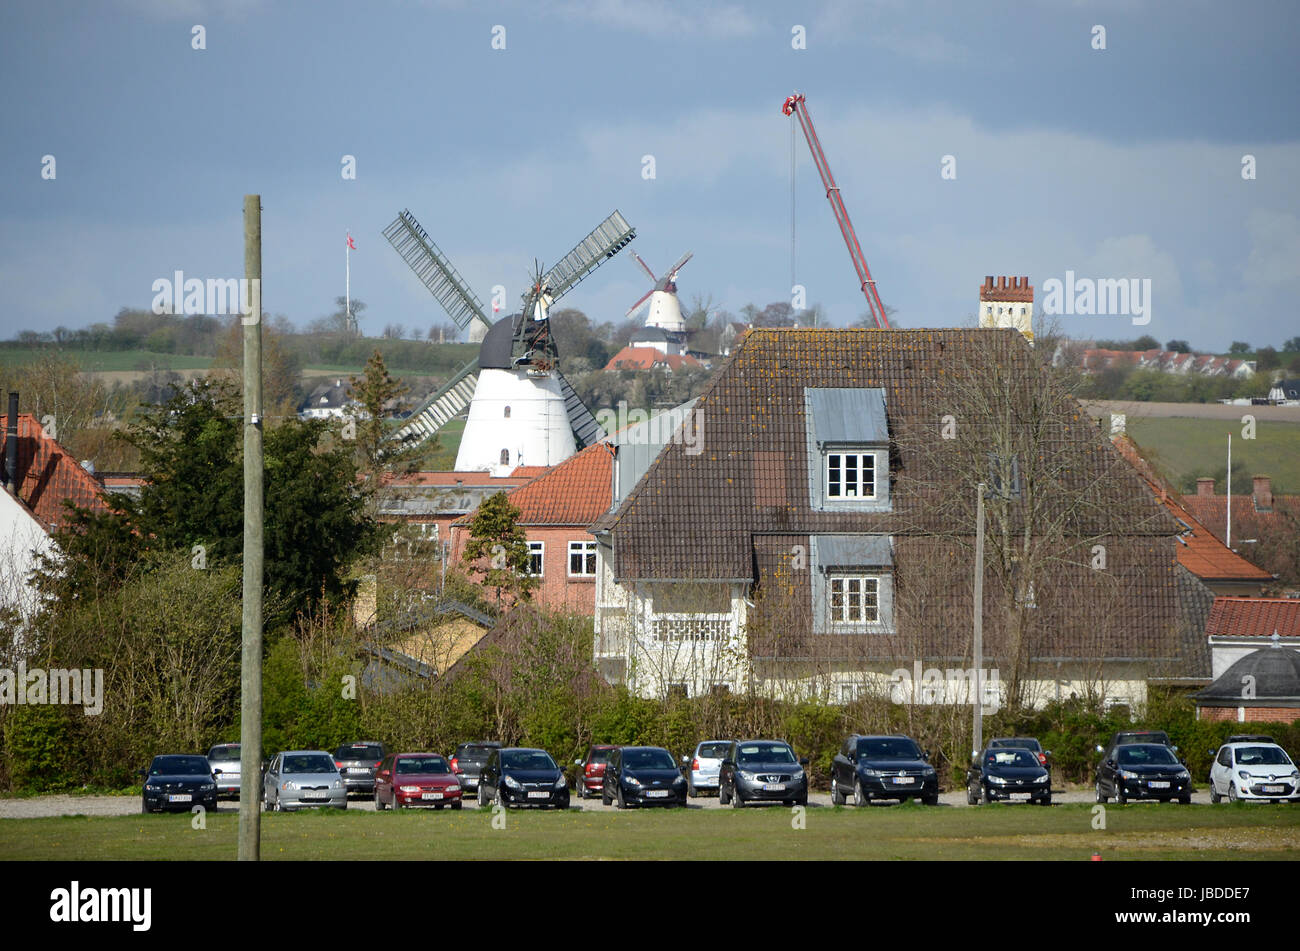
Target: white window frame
536 550
858 456
867 597
587 552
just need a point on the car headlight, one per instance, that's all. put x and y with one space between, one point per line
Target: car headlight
513 783
1244 775
409 789
289 786
454 787
1183 774
1045 778
1126 774
797 776
151 788
678 781
997 781
561 782
1296 775
746 776
631 780
207 787
337 784
868 771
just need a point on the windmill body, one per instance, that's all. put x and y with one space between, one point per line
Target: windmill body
665 310
522 411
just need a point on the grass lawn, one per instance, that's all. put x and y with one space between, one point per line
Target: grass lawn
1139 831
1184 448
108 360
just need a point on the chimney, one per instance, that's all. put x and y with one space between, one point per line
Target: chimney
1263 494
1118 424
11 444
1205 486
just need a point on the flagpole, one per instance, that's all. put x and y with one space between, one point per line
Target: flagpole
347 291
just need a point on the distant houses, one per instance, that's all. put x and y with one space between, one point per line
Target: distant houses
1166 361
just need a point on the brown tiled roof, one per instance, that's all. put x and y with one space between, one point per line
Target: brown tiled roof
647 358
576 492
1254 617
1212 512
48 475
1198 550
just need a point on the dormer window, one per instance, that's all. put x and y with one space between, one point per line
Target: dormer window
850 475
848 449
507 413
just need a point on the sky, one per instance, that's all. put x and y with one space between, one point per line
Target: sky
1123 162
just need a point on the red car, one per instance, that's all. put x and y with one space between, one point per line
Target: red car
591 778
416 779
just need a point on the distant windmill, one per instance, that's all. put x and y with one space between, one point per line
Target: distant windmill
665 309
522 411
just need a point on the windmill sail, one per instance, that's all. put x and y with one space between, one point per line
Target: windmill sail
447 403
610 237
434 270
585 428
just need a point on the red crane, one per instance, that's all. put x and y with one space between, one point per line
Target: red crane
796 105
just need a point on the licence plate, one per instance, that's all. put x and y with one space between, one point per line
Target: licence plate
656 793
773 787
357 769
180 797
1157 784
539 795
1021 795
431 795
1270 789
903 780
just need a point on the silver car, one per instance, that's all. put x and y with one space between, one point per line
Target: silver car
224 761
301 779
702 770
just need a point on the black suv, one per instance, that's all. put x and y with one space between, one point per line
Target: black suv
357 763
469 759
883 767
762 770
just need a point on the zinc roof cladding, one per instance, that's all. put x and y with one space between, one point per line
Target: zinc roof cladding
576 492
692 515
1254 617
848 415
48 475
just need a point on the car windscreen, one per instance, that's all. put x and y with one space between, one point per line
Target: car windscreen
371 754
477 754
180 766
1011 757
409 765
1126 738
648 759
599 756
713 750
1262 756
1022 743
527 759
888 748
224 753
764 753
308 763
1145 756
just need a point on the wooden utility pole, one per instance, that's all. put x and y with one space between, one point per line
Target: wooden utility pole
250 711
978 701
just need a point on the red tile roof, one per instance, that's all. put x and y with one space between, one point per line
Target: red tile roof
1212 512
48 475
647 358
1254 617
576 492
1198 550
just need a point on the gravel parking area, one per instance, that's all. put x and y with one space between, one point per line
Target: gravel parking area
63 805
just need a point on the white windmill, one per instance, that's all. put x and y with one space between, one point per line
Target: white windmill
522 411
665 310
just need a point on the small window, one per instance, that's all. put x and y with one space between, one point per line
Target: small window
854 599
582 559
507 414
850 475
677 690
849 692
536 551
505 457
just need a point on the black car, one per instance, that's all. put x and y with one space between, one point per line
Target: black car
1247 738
469 759
1008 773
522 777
642 776
882 767
178 782
1143 771
1022 743
1127 737
357 763
762 771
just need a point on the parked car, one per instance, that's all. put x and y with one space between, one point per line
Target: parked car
522 777
357 763
1249 738
1022 743
1253 770
703 766
762 771
1125 737
299 779
178 781
1008 773
1143 771
643 776
416 779
882 767
591 771
469 759
223 761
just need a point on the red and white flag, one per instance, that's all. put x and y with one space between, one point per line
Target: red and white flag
350 244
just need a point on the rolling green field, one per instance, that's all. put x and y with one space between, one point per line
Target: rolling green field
1063 832
1184 448
108 360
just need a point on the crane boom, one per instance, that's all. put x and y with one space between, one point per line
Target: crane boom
796 105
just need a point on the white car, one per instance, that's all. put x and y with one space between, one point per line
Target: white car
703 768
1258 771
